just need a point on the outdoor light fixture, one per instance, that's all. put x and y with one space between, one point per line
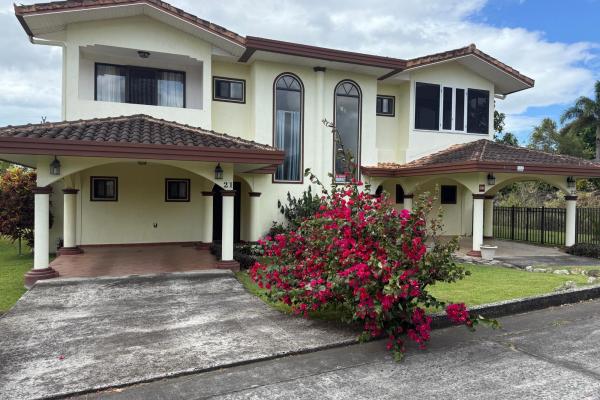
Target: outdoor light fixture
143 54
491 179
571 182
55 167
218 172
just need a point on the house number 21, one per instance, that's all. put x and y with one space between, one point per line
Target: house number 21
228 185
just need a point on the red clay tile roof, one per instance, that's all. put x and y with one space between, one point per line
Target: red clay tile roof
133 136
465 51
70 5
486 156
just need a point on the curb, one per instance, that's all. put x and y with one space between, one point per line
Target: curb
523 305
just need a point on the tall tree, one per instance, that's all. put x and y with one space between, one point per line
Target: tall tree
499 135
545 136
585 115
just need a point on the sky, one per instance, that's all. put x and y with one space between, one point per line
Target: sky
556 42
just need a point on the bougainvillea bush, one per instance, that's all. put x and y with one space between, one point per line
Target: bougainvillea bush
359 253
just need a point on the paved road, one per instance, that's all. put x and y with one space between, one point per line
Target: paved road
548 354
70 336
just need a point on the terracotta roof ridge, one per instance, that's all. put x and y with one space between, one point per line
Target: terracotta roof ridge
537 151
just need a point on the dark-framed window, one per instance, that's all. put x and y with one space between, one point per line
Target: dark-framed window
447 108
459 110
177 190
139 85
288 126
427 106
104 188
478 111
229 89
448 194
386 106
347 120
399 194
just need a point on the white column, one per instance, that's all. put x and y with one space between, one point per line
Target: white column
207 221
318 168
408 201
255 228
41 229
488 215
227 228
69 222
41 238
571 220
477 222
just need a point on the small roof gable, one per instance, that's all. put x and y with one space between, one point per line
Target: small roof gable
135 136
487 156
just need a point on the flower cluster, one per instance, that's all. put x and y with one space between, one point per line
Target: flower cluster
360 253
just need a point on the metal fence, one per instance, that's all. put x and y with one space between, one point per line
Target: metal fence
545 225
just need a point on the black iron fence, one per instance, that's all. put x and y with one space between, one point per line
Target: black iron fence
545 225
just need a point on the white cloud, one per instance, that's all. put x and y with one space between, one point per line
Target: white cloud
415 27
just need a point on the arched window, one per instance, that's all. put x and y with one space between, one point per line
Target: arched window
347 121
288 116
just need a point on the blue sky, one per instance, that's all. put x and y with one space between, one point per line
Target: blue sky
560 21
556 42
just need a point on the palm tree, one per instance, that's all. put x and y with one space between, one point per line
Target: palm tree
585 114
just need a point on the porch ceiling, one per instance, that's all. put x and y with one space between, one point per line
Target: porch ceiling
135 137
487 156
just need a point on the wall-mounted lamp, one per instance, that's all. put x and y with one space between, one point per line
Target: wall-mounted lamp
143 54
571 182
55 167
218 172
491 179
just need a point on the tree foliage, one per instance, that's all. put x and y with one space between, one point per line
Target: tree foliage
583 118
499 135
16 204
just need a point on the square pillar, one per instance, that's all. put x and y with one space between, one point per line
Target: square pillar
227 260
571 220
477 225
255 230
41 237
488 217
408 201
207 221
69 223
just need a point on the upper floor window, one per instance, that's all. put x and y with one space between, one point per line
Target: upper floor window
347 121
137 85
288 126
385 105
443 108
229 89
478 111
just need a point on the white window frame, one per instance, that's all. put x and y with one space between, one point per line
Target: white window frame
453 115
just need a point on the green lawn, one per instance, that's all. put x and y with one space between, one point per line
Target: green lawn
12 268
486 284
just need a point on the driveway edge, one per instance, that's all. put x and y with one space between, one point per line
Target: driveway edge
525 304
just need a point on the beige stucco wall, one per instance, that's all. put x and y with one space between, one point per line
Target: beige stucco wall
134 33
451 74
233 118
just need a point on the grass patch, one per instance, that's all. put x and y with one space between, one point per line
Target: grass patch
12 269
486 284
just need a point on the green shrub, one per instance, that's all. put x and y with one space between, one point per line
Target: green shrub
585 250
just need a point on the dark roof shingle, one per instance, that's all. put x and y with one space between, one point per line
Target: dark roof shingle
134 129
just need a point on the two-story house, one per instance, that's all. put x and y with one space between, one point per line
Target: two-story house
179 130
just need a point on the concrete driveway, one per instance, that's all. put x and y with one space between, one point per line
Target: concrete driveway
548 354
75 335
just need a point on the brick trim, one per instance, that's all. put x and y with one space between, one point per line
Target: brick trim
489 197
228 193
478 196
70 191
207 194
254 194
409 195
571 197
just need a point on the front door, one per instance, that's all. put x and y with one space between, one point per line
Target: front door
218 212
